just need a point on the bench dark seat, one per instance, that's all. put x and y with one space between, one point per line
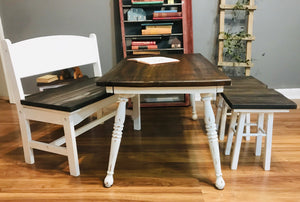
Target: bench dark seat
69 97
245 82
262 98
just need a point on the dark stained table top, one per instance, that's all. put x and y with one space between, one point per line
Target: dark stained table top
191 70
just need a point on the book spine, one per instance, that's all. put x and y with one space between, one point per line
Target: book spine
142 43
167 18
144 47
173 14
165 11
156 31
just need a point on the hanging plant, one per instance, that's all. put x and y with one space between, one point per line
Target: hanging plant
235 46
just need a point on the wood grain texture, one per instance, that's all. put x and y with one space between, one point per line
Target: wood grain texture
168 162
192 70
69 97
257 98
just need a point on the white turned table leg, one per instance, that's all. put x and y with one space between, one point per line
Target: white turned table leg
212 136
115 141
193 103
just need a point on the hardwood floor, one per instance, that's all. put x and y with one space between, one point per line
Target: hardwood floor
168 160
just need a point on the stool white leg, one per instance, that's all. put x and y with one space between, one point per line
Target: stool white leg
231 131
193 103
248 121
223 121
260 126
136 112
115 141
219 110
238 141
212 136
268 142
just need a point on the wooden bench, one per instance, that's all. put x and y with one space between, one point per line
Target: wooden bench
68 98
262 101
244 82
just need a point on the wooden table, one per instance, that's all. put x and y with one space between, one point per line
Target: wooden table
192 74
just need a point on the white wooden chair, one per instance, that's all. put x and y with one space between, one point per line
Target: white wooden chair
68 105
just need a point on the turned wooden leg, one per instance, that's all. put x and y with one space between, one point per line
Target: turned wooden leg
193 103
248 122
115 141
212 136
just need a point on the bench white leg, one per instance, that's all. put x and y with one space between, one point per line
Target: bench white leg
231 132
71 147
136 114
193 103
248 120
268 142
260 126
212 136
238 141
219 110
115 141
223 121
26 138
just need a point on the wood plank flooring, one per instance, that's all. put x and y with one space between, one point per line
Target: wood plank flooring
168 160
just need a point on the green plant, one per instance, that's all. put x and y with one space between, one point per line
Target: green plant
235 46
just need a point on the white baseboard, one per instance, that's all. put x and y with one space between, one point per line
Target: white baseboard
291 93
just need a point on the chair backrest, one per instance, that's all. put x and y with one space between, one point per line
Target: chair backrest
48 54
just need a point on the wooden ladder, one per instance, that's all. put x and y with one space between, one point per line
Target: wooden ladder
250 8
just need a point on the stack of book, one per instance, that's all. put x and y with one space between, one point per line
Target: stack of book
167 15
137 45
47 78
157 28
147 1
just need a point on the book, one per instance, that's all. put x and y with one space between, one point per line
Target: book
165 11
147 2
142 43
157 24
169 14
144 47
146 52
154 60
153 31
47 78
167 18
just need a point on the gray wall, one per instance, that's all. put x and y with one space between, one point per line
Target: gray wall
276 28
275 52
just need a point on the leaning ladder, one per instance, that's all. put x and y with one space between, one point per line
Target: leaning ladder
251 8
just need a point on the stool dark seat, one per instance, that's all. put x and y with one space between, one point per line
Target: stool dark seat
240 83
261 101
68 98
262 98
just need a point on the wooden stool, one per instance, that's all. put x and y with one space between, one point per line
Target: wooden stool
244 82
263 102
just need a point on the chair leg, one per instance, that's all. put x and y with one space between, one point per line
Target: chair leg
219 110
260 126
193 103
223 121
231 131
136 114
26 138
268 142
71 147
238 141
115 141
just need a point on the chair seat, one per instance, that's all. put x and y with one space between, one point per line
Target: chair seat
68 98
257 99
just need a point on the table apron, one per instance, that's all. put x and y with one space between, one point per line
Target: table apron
164 90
